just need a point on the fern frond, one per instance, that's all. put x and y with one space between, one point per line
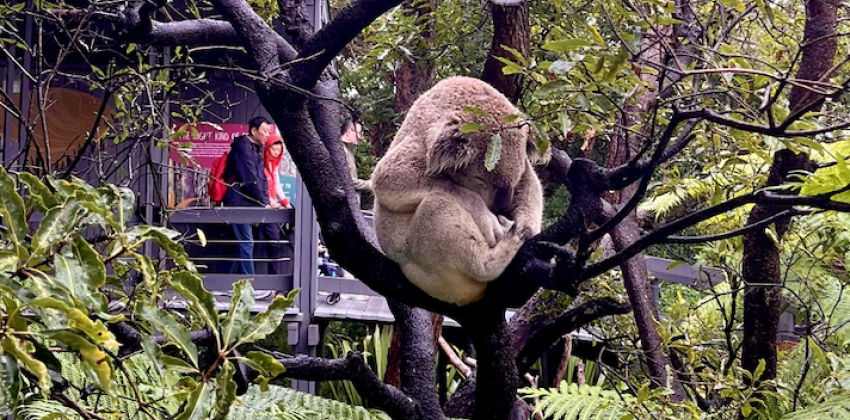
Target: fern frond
287 404
573 402
837 407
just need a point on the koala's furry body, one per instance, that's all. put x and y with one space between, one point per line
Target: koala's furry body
451 224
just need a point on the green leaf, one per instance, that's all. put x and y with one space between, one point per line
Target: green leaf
264 363
759 370
93 268
125 200
196 404
510 67
267 321
238 316
471 127
92 355
77 319
13 320
12 213
225 390
9 262
493 153
179 334
474 110
70 275
202 301
566 45
147 269
58 223
520 58
21 350
39 194
175 364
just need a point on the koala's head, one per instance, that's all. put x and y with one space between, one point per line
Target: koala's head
461 156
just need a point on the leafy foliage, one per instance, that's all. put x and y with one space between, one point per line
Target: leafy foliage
54 285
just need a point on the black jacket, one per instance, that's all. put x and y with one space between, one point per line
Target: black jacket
244 169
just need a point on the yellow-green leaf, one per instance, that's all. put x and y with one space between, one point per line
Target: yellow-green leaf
225 390
12 213
21 350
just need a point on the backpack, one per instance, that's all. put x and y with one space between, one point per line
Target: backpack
217 187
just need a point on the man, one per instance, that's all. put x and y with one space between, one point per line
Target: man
248 184
350 134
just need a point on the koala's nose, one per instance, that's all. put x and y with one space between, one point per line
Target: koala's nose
502 201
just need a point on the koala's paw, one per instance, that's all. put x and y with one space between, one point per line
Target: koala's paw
495 229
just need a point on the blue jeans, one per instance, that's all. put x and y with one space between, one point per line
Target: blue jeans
246 248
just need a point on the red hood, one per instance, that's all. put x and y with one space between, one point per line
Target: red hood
267 157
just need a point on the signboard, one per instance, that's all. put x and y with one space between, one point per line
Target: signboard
205 143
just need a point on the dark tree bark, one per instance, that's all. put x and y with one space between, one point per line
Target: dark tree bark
412 78
761 260
511 28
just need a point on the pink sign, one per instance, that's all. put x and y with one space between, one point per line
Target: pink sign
207 142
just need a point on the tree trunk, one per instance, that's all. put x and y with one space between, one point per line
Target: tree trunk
411 79
623 148
510 28
761 260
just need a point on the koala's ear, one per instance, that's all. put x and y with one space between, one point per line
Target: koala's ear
533 147
449 149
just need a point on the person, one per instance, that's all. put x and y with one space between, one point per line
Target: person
350 134
272 157
270 232
249 186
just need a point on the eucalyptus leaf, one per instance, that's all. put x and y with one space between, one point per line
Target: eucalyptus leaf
493 153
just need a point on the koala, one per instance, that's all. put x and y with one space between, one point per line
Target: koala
451 224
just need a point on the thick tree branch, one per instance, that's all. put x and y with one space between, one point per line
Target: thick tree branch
353 368
544 335
332 38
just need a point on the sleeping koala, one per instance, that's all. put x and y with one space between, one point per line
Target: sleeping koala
451 224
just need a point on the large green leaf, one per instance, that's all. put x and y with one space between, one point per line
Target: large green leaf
41 196
202 301
179 334
9 261
22 350
58 223
225 390
267 321
264 363
92 263
12 213
165 239
196 404
71 276
99 366
125 200
239 315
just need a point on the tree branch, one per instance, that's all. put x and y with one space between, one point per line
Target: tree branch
333 37
353 368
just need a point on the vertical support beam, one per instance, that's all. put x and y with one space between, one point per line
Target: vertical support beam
305 274
10 148
26 85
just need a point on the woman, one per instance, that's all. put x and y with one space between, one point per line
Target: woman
271 248
272 157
